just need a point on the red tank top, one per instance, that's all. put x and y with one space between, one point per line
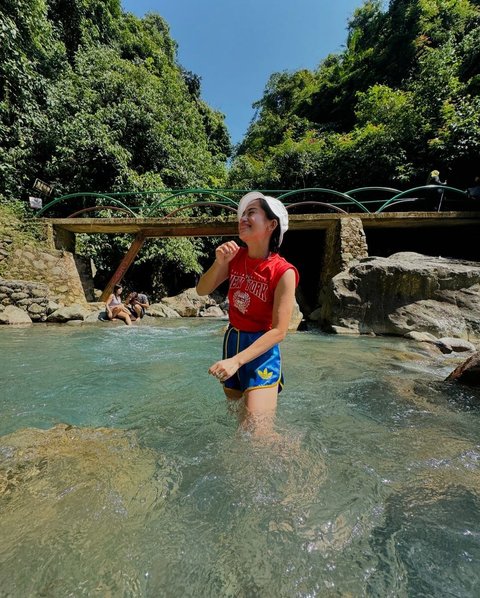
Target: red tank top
252 289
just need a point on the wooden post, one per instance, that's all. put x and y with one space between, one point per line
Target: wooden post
124 265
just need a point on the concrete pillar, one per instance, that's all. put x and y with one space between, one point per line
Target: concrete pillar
345 243
64 239
59 238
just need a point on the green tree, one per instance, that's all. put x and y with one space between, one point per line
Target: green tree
93 99
401 98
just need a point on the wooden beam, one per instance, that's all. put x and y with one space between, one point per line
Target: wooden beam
124 265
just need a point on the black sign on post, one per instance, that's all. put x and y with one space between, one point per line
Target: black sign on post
44 188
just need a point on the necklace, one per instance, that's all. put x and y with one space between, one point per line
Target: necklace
249 277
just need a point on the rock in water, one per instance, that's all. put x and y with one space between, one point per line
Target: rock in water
406 292
467 372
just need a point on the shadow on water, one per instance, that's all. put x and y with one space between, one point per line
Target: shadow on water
370 485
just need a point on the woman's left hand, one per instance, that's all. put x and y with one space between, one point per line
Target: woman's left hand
224 369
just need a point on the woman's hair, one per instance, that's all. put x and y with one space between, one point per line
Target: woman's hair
116 288
274 239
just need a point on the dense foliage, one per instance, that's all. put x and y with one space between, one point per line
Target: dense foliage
93 99
401 99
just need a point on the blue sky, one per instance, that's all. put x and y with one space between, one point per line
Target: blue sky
235 45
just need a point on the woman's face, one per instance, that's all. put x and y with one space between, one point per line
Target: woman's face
119 290
254 224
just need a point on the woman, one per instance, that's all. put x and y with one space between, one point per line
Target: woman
115 308
261 298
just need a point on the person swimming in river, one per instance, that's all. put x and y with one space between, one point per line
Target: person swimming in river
115 309
261 297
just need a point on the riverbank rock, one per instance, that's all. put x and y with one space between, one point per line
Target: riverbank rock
404 293
14 316
454 345
467 372
189 303
72 312
445 345
296 318
30 297
214 311
159 310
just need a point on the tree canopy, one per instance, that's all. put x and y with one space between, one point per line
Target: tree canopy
401 99
93 99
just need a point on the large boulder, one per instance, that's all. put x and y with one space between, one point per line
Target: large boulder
71 312
467 372
14 316
214 311
406 292
189 303
296 318
159 310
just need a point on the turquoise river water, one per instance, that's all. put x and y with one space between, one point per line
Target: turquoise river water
123 472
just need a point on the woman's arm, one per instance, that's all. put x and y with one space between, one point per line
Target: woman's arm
130 300
282 312
107 307
218 271
144 305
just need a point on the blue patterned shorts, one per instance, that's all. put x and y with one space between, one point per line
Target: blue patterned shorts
262 372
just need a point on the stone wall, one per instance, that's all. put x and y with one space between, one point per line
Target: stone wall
5 249
30 297
55 268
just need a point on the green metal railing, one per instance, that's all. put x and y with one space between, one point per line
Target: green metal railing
165 203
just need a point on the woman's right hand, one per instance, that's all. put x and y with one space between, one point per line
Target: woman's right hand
218 271
225 252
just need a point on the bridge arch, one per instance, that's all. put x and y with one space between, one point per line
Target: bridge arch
127 202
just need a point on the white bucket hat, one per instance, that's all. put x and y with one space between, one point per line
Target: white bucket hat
275 205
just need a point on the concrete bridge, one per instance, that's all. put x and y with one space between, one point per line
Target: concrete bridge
343 220
344 235
221 226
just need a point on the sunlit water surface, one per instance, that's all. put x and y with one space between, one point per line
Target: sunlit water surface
371 486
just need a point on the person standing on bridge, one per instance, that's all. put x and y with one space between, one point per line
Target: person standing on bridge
261 298
434 179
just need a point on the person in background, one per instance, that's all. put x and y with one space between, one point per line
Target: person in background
474 192
261 297
114 307
434 179
137 303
